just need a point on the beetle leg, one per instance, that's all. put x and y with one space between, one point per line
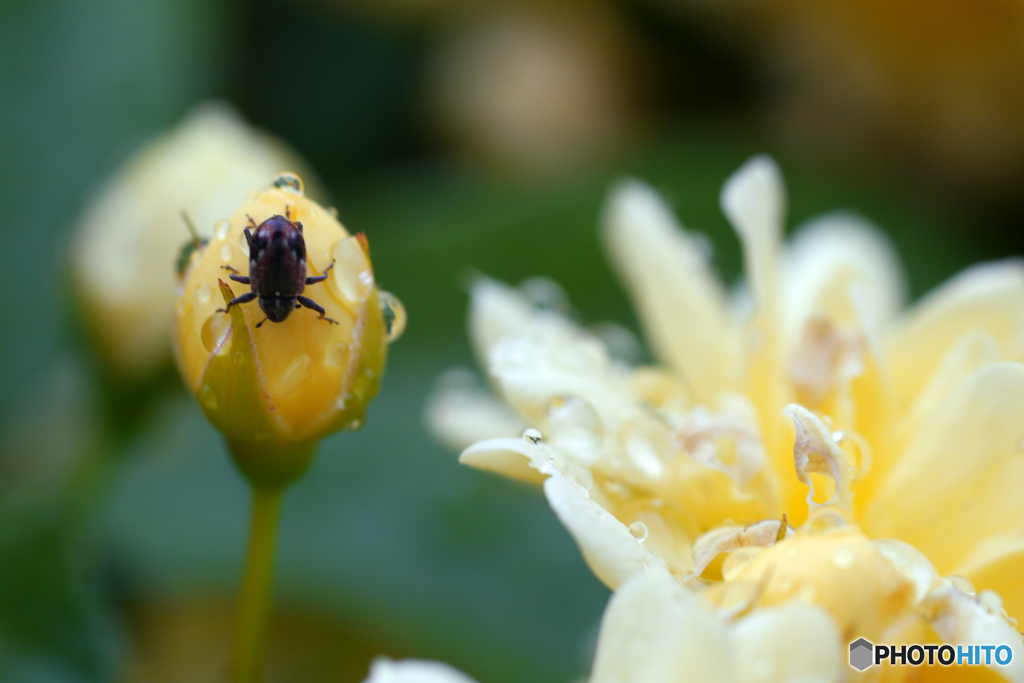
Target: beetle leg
251 221
261 322
248 237
242 299
309 303
237 276
319 278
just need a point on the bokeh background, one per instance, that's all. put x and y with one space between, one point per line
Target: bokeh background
462 137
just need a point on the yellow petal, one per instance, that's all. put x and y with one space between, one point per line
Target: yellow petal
987 297
754 200
997 563
972 352
960 479
679 299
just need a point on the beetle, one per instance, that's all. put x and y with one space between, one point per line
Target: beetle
277 269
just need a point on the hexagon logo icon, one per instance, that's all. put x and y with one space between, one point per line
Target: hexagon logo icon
861 654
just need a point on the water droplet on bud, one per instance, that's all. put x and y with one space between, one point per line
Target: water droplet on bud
394 315
225 252
337 354
532 435
203 292
220 229
214 329
289 182
243 244
639 531
580 476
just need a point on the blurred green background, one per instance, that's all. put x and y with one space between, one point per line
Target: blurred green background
444 130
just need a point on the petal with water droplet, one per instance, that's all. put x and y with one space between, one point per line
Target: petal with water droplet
611 551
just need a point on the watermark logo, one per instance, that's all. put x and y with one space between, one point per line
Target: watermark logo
865 654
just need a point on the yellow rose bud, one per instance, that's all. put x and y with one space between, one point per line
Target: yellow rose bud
129 236
276 389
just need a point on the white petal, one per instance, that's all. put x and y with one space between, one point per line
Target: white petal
815 451
535 369
987 297
656 631
497 311
961 620
793 642
679 299
611 551
460 414
511 457
414 671
754 200
725 539
838 249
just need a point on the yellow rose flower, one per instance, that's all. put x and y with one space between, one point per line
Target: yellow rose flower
805 440
129 235
275 389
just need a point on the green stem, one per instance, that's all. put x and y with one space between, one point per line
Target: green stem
255 601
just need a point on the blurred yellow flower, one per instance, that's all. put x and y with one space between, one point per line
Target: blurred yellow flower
281 387
805 440
127 238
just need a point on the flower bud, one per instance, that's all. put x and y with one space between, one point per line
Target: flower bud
128 237
276 389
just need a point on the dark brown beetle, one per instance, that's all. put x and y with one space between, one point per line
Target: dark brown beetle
277 269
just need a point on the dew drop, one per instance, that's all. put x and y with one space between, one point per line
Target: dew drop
351 278
208 398
991 601
843 558
545 294
289 182
243 244
355 424
203 292
394 315
545 467
226 252
644 455
214 329
580 475
639 531
532 435
337 354
220 229
294 376
963 584
333 211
